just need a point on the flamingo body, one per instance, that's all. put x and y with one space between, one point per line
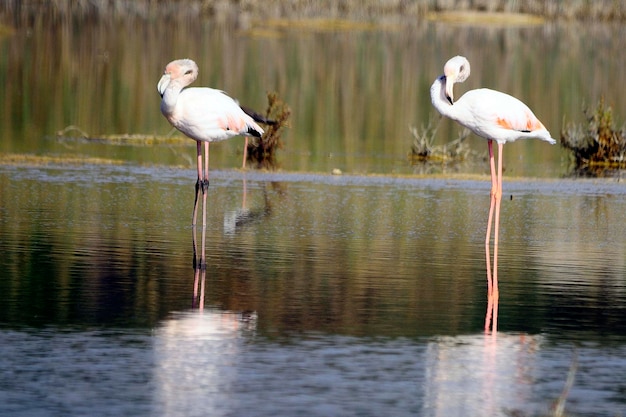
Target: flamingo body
489 114
497 117
204 114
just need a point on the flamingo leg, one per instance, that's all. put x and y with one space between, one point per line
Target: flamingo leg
202 184
494 186
205 183
494 217
199 182
203 245
245 153
206 165
498 197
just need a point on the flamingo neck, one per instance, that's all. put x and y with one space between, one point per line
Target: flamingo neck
170 98
440 101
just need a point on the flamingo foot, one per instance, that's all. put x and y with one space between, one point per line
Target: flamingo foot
201 186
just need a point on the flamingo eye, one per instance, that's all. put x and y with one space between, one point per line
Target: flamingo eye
462 68
188 72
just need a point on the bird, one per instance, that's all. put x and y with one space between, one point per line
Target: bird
497 117
204 114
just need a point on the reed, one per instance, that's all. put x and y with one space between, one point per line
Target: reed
597 147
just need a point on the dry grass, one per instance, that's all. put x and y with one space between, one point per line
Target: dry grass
319 24
597 147
135 139
262 152
60 159
486 18
423 149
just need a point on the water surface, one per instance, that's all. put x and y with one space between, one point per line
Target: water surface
361 294
345 295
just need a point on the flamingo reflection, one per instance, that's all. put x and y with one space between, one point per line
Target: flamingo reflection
233 221
199 259
483 373
243 216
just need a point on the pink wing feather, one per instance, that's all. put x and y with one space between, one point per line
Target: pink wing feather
501 117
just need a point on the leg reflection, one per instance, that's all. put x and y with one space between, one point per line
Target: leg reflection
199 265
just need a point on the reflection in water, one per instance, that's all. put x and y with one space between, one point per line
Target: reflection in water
243 216
189 347
196 354
356 311
486 374
491 317
199 258
199 268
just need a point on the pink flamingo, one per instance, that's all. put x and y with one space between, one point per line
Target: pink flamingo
204 114
494 116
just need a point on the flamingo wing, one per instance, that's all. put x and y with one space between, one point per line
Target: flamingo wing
499 116
210 115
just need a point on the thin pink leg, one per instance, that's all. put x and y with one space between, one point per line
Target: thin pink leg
498 197
205 182
199 159
245 153
199 185
203 179
494 186
206 163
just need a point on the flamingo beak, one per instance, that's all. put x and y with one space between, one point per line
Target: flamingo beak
163 83
449 90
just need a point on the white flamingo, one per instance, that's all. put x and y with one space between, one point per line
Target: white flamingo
204 114
494 116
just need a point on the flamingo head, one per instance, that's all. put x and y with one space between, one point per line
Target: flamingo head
456 70
181 72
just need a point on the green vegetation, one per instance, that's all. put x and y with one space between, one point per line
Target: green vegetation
597 148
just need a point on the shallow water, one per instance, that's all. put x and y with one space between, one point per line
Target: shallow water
361 294
322 295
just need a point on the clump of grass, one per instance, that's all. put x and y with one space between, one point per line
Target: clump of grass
59 159
598 146
262 151
137 139
424 150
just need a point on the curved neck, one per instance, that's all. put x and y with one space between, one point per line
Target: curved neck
170 97
440 101
438 97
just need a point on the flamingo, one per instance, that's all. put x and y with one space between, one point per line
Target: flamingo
495 116
204 114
